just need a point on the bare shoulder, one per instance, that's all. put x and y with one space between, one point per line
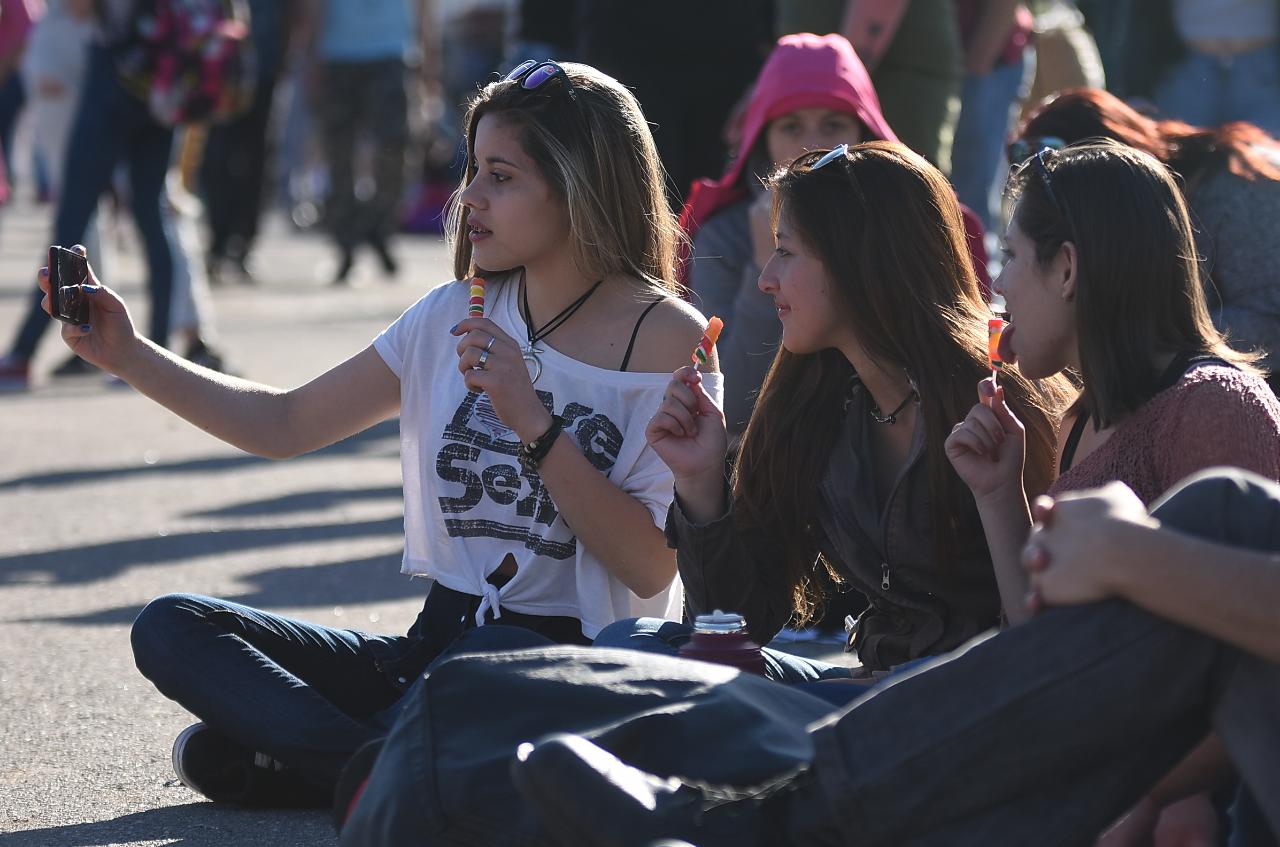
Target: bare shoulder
667 337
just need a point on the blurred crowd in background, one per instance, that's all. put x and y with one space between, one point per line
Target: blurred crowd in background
350 122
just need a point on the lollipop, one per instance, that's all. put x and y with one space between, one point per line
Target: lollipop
476 309
703 351
995 327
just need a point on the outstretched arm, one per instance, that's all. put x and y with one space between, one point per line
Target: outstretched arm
257 418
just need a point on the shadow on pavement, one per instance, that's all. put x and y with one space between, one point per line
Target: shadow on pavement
368 441
189 824
98 562
372 580
304 501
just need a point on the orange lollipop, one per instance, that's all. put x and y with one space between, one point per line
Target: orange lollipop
702 352
995 327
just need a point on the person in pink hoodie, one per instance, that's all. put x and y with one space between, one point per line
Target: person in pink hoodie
812 93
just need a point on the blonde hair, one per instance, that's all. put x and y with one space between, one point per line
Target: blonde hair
597 154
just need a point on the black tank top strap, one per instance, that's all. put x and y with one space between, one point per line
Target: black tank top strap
635 331
1073 441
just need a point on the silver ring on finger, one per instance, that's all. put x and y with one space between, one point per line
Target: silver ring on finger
484 360
488 348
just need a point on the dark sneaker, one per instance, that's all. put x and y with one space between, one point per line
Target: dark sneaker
200 353
346 260
74 366
15 374
389 264
209 763
244 270
213 265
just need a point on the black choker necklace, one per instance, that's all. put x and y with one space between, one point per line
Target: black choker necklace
892 417
529 352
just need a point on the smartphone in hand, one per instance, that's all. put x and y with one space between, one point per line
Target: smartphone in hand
68 271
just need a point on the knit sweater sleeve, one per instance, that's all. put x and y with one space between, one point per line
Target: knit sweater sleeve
1224 417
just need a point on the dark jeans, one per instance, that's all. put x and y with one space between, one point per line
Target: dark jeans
305 694
112 125
1046 732
233 174
364 99
13 96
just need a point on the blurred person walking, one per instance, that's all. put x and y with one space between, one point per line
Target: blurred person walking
999 63
1205 62
358 49
17 20
53 69
111 125
913 50
712 51
233 172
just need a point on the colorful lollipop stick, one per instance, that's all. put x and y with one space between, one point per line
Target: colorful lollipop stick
995 327
702 352
476 307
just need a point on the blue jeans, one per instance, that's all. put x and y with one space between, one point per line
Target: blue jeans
1059 725
988 109
111 126
1209 91
655 635
305 694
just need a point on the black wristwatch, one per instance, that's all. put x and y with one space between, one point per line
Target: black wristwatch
532 453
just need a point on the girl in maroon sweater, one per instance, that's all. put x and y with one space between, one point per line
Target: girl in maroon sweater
1101 280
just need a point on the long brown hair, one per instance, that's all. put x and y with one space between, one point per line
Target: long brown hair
597 154
1138 293
888 230
1087 113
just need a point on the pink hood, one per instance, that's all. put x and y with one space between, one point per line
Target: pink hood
804 71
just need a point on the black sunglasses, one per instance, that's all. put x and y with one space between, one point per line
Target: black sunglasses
532 74
1038 161
1021 149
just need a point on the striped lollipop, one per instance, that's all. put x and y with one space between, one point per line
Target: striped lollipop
702 352
476 307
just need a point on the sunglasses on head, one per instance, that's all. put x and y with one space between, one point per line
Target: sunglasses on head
532 74
1021 149
1040 163
840 151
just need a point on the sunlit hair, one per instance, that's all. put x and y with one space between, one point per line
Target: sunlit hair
1138 292
596 153
1092 113
887 228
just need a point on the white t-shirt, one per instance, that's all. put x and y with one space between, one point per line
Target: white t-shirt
467 501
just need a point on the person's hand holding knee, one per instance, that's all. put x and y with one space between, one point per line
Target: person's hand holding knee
1082 544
